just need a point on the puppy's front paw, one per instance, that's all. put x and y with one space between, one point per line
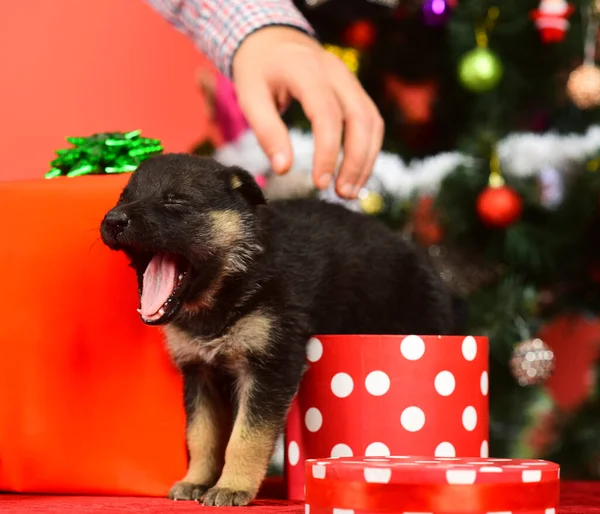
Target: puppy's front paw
223 497
187 491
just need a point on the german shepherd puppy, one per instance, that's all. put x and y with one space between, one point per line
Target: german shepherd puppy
240 286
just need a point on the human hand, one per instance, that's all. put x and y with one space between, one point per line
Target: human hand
276 63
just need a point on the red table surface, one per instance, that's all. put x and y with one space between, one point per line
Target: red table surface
576 498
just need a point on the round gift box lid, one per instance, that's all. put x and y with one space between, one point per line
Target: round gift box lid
433 470
432 484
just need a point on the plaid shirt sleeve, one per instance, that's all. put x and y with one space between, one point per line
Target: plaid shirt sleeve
218 27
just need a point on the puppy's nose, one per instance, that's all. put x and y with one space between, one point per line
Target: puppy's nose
116 222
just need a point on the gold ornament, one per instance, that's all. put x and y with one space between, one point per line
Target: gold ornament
583 86
532 362
370 202
349 56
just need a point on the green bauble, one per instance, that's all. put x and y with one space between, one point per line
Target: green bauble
480 70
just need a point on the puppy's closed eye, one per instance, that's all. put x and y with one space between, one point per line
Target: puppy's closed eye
175 201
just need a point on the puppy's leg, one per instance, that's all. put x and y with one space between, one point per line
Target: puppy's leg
263 405
209 418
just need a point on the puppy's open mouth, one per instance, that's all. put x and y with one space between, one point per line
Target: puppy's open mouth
163 286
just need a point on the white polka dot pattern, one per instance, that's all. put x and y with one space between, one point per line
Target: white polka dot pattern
319 471
434 472
445 383
469 348
293 453
461 476
378 475
412 419
377 383
341 450
484 450
490 469
381 395
484 383
532 475
445 449
313 419
342 385
469 418
314 349
412 348
377 450
454 470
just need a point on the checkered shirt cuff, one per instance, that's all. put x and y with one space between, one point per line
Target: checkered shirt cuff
218 27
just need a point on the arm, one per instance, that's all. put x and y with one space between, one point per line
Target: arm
218 27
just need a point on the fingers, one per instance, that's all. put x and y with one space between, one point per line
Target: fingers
374 149
363 134
322 108
256 101
276 63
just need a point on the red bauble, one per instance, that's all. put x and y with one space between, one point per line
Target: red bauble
360 34
499 206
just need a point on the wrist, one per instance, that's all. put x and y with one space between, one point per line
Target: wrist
264 39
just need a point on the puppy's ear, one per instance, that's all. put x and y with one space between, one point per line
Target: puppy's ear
241 182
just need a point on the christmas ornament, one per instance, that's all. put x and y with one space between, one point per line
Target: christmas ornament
113 152
349 56
583 85
371 202
480 69
361 34
498 205
550 18
435 12
414 100
532 362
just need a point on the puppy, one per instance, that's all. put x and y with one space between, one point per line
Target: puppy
240 286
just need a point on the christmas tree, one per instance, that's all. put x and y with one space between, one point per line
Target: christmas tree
490 162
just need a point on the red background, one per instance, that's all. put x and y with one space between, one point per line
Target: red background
72 67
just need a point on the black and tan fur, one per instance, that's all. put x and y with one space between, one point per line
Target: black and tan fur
261 279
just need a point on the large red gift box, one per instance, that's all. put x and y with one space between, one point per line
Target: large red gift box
388 395
434 485
89 400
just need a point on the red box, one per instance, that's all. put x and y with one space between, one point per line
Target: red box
438 485
389 395
90 402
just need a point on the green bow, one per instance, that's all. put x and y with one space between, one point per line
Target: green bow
108 152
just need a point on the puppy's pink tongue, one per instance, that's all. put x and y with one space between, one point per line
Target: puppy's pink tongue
159 282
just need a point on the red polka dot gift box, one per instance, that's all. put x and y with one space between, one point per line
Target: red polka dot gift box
437 485
375 396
